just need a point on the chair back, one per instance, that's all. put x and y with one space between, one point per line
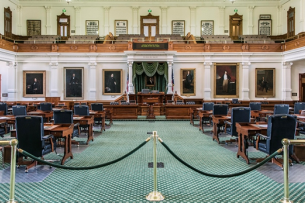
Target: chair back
299 106
155 91
220 109
63 116
132 101
19 110
145 91
239 114
46 106
3 107
235 101
83 103
255 106
208 106
280 127
281 109
29 131
81 110
97 107
169 101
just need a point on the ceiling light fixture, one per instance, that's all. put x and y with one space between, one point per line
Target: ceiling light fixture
68 1
232 1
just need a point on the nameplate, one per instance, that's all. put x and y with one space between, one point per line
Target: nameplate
150 46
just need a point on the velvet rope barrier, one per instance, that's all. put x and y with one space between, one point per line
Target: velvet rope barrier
83 168
221 176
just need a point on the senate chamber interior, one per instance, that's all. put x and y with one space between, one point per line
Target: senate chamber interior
140 101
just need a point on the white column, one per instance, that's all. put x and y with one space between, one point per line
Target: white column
169 77
221 20
135 20
164 19
130 85
193 20
250 26
19 23
53 80
92 80
286 81
77 20
106 20
48 21
245 88
207 81
279 21
302 20
12 82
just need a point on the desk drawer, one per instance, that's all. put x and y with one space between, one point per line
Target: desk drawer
56 134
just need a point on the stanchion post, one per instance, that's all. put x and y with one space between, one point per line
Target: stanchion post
155 195
286 143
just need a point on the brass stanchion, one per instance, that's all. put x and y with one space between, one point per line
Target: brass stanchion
13 143
155 195
285 142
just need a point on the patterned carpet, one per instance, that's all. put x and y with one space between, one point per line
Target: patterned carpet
131 180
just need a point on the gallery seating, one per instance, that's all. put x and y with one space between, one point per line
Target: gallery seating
42 39
217 39
82 39
175 38
123 39
260 39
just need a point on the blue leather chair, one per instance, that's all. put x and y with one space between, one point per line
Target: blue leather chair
30 135
65 117
82 110
3 107
255 106
46 106
19 110
208 106
97 107
235 101
279 127
220 109
298 107
281 109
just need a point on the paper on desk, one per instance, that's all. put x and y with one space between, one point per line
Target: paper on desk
77 118
263 125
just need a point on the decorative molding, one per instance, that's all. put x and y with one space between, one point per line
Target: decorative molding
287 64
188 47
73 47
129 63
34 47
245 47
297 43
226 47
93 47
54 47
246 64
53 63
265 47
92 63
207 63
112 47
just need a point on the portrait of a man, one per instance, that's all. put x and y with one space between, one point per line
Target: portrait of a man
73 83
188 85
150 81
34 83
112 83
265 82
226 80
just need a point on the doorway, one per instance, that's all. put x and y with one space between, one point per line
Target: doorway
302 87
63 26
149 26
236 26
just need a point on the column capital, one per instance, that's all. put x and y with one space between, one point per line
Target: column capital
251 7
47 7
129 63
287 63
170 63
135 7
106 8
207 63
77 8
92 63
53 64
163 7
193 7
222 7
246 63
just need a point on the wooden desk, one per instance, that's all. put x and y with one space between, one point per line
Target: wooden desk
217 121
99 114
45 114
203 114
244 131
108 114
263 113
179 111
155 97
85 120
194 113
123 111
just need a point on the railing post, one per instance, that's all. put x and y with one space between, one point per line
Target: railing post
286 143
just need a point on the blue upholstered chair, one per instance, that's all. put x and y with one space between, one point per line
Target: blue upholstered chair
281 109
208 106
255 106
97 107
65 117
82 110
220 109
279 127
298 107
3 108
46 106
19 110
235 101
238 114
30 135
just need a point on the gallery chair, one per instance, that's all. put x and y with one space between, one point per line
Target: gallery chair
279 127
281 109
298 107
30 135
19 110
46 106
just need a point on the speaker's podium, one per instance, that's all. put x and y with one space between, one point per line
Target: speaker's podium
150 98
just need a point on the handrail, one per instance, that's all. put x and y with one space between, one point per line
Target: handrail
286 143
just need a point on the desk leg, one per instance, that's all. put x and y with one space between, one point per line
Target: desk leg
103 123
68 149
200 124
216 131
191 118
90 134
242 147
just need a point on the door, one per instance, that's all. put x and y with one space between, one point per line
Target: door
149 31
63 26
149 26
290 22
236 26
8 22
302 87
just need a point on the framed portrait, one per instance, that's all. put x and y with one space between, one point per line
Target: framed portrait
34 83
207 27
265 82
150 81
226 80
265 27
178 27
74 83
120 27
112 81
92 27
33 27
188 82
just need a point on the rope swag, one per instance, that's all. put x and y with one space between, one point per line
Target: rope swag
150 69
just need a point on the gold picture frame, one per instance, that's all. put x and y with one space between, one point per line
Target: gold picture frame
207 27
226 86
188 82
120 27
112 81
74 83
33 27
150 81
92 27
34 83
265 82
178 27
